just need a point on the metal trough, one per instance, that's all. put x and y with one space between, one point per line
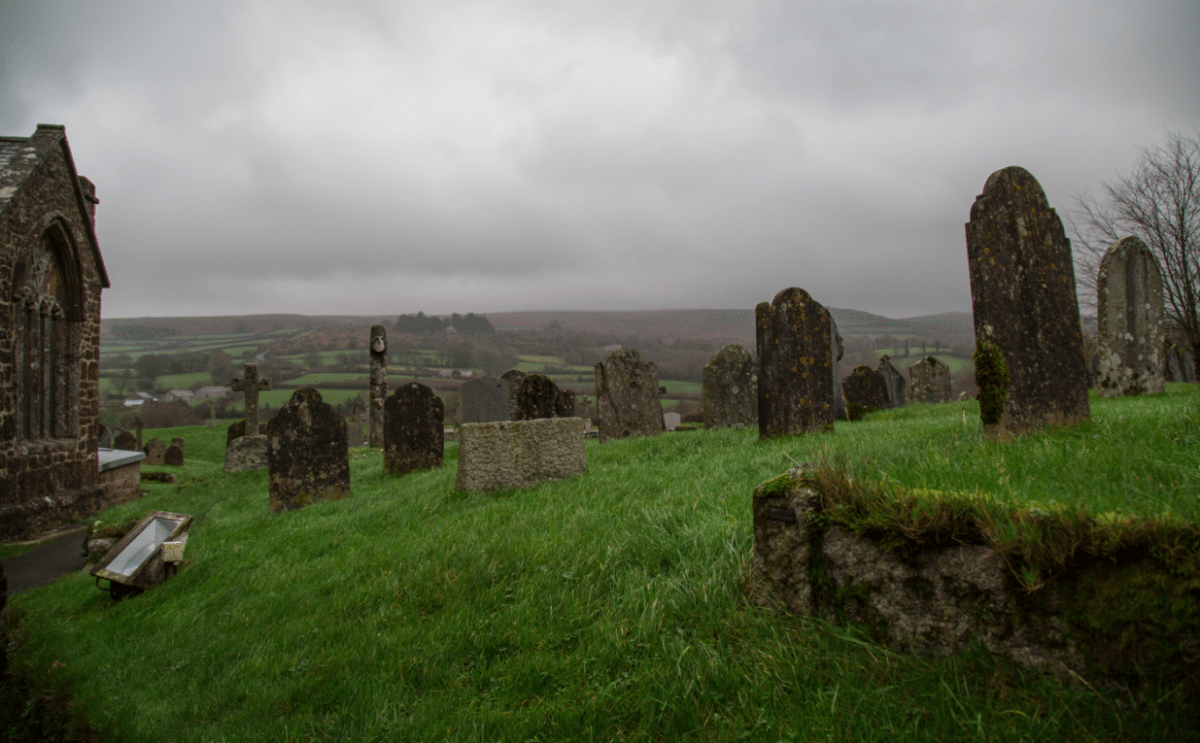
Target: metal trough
137 562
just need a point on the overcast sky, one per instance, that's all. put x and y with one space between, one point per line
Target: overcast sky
387 157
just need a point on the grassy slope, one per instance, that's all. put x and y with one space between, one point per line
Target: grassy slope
606 607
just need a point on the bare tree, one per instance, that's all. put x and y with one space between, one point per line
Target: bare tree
1158 200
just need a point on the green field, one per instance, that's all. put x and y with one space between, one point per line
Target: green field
606 607
182 381
316 379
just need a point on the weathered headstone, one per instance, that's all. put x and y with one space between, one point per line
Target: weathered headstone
484 399
126 440
246 453
731 389
516 454
173 455
795 365
154 451
1129 303
378 384
1188 364
1024 302
137 423
839 398
307 456
106 437
539 397
929 381
355 434
513 378
866 386
671 421
1093 371
413 430
178 441
893 382
627 396
564 404
250 384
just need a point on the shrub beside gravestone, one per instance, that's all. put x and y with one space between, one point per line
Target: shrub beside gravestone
991 376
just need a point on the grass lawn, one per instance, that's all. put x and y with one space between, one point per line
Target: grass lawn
607 607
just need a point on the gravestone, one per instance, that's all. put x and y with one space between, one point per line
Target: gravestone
627 396
173 455
106 437
246 453
178 441
513 378
839 399
137 423
484 399
1129 304
795 365
1093 371
126 440
307 457
1024 302
238 429
413 430
929 381
539 397
564 404
515 454
730 389
154 451
378 384
355 434
893 382
671 421
866 386
1188 365
250 384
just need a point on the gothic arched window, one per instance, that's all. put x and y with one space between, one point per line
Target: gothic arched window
44 353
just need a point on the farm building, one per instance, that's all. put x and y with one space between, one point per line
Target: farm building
51 275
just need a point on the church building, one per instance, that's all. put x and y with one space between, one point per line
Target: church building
51 275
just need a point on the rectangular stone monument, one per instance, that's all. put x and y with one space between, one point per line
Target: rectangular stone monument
1129 303
627 396
504 455
1024 302
929 381
731 389
484 400
795 365
307 456
413 430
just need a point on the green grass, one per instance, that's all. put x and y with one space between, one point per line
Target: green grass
607 607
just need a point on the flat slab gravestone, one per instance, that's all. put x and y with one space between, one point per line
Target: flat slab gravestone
307 457
1024 301
866 386
731 389
929 381
484 400
246 453
413 430
795 365
627 396
893 382
173 455
155 449
1129 303
503 455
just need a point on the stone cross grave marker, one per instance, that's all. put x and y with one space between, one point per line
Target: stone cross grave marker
1129 303
379 386
731 389
929 381
251 384
1024 302
484 400
414 431
627 396
795 365
307 457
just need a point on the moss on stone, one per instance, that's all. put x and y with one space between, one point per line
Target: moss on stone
991 376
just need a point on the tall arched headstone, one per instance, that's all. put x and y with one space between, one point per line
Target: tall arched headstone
866 386
1023 298
1129 303
307 457
795 365
414 431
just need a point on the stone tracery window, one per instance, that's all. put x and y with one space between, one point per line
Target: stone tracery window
45 356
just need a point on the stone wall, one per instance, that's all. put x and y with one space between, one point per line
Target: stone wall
516 454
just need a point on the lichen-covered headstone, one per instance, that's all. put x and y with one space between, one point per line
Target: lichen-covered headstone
1129 303
1188 364
246 453
173 455
627 396
307 456
378 384
484 400
839 398
413 430
125 440
178 441
731 389
893 382
866 386
929 381
795 365
539 397
1024 301
154 451
513 378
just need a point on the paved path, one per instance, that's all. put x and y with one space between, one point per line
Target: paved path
46 562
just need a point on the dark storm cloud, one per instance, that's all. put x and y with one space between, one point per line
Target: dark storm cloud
383 157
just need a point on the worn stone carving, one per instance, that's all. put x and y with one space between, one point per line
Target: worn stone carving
1129 302
627 396
1024 301
516 454
173 455
866 386
154 449
929 381
513 378
795 365
307 457
731 389
893 383
839 398
125 440
246 453
413 430
250 384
